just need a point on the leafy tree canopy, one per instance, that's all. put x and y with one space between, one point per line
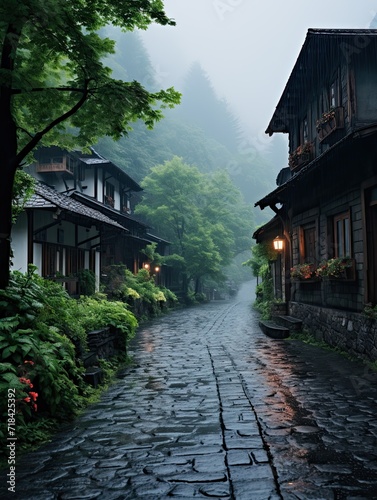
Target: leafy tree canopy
203 215
55 87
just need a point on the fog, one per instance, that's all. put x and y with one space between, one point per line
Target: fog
247 47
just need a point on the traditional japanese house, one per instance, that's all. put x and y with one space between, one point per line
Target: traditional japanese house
326 199
81 217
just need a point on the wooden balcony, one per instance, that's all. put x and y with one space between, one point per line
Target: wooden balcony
330 122
59 164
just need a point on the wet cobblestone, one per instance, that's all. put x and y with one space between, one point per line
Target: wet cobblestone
212 408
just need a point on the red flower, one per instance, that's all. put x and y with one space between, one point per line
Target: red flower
35 407
26 362
34 395
27 399
26 381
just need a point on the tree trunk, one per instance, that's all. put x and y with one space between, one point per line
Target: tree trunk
5 226
197 285
8 153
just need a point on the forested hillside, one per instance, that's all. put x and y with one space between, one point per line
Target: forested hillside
202 130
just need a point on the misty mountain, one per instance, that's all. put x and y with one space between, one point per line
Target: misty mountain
201 130
200 106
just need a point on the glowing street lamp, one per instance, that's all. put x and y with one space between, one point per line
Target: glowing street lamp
146 266
278 244
156 269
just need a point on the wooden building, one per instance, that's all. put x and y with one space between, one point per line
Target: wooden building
326 199
80 217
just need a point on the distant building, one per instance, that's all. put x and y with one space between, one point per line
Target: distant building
326 199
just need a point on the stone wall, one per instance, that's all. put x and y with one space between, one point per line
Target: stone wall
349 331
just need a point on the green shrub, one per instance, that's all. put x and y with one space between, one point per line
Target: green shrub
95 313
87 282
122 284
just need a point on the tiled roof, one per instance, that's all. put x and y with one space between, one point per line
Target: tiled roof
47 197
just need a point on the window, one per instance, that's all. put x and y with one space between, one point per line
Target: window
109 194
333 95
308 244
342 235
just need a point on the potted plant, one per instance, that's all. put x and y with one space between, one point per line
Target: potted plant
336 268
301 155
302 272
330 120
327 117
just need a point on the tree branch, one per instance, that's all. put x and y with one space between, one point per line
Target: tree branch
38 136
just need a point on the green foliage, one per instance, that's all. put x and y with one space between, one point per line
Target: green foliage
98 313
54 386
370 311
23 189
87 282
137 290
203 215
42 333
154 258
58 50
260 265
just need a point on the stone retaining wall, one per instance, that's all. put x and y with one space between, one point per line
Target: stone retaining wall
350 331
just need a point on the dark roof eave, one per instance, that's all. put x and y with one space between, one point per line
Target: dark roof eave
66 203
272 198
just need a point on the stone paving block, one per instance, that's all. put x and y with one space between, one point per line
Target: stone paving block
192 491
251 473
238 457
259 456
210 463
215 490
258 489
234 441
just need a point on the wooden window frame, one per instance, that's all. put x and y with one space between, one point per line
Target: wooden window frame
303 251
342 248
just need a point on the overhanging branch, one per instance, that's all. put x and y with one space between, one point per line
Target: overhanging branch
38 136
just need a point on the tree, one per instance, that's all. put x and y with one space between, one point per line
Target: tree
55 87
203 215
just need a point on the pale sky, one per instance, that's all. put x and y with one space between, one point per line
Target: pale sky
247 47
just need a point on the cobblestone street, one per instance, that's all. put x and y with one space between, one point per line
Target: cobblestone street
212 408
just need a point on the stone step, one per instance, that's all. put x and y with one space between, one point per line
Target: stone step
293 324
273 330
